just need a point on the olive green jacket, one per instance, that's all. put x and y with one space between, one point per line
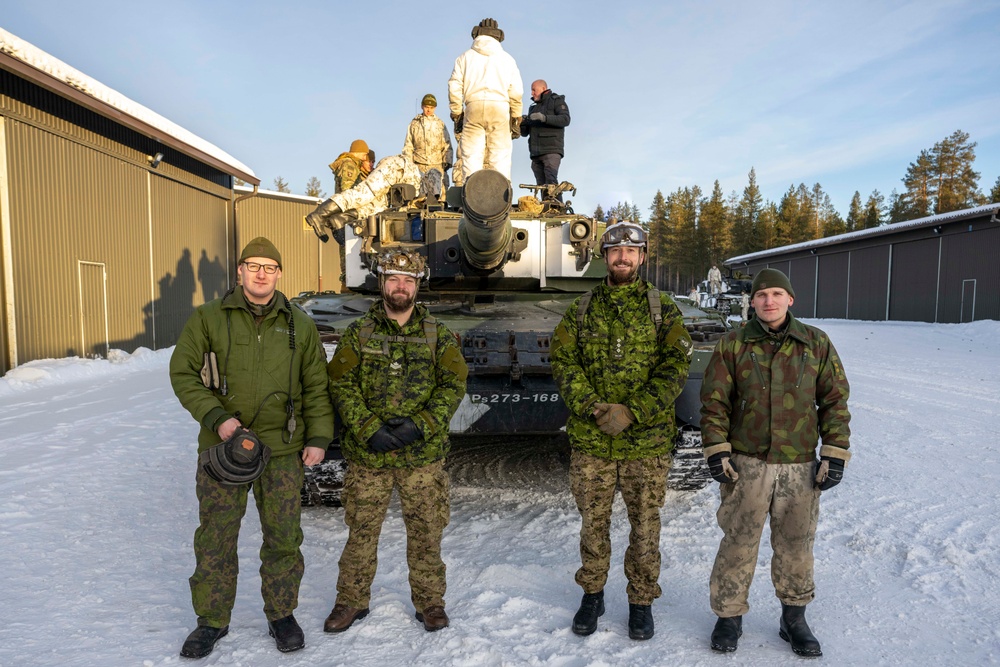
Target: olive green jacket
619 356
394 373
257 363
773 395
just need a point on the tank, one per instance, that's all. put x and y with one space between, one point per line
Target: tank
501 274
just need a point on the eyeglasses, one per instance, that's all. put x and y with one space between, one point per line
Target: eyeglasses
254 267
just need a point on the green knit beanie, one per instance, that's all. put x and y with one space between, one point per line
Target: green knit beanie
771 278
261 247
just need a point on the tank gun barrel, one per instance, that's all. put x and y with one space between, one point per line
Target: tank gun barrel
485 230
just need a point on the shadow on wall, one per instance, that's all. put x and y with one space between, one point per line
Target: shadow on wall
167 314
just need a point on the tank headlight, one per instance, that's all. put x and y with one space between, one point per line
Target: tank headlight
579 231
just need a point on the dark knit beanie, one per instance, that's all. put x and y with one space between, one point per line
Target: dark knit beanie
261 247
771 278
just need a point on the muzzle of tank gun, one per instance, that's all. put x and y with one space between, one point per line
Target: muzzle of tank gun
485 230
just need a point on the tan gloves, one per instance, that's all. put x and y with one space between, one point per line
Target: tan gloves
613 418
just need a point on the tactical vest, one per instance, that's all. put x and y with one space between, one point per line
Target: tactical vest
652 295
367 333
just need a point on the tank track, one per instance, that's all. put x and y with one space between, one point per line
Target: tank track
689 471
324 483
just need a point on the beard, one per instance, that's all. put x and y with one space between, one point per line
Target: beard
399 301
622 273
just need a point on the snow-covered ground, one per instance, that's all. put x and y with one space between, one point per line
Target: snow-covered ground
97 511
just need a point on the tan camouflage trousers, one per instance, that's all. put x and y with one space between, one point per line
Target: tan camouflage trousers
643 485
786 492
423 496
221 509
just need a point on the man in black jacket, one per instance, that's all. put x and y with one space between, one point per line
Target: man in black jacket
545 126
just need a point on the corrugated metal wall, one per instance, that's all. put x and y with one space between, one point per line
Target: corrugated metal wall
913 295
803 277
102 245
869 283
970 276
831 300
308 264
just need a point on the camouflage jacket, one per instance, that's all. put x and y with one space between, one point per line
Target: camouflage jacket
428 142
348 171
254 359
772 395
619 356
371 195
394 373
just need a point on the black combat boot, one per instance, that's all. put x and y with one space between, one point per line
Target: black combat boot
796 632
727 633
640 621
591 608
202 640
288 636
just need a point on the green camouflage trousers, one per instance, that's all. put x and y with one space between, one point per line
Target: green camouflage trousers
221 509
643 485
423 496
787 493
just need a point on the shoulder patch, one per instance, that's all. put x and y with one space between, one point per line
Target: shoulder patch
343 362
678 336
453 361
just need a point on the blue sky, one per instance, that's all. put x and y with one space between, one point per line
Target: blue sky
845 94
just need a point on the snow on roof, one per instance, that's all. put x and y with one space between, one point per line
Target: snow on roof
874 231
29 54
306 199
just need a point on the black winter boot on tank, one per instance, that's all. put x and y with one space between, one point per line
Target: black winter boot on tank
727 633
591 608
796 632
640 621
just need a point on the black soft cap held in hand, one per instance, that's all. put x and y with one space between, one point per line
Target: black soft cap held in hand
405 429
384 441
721 469
829 472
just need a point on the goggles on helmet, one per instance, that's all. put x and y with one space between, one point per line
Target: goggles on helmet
400 262
624 233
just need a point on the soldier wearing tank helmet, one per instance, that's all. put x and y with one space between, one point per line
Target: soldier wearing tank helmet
620 356
397 378
773 391
250 369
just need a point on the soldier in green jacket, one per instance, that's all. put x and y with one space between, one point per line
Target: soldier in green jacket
771 391
250 359
620 356
397 378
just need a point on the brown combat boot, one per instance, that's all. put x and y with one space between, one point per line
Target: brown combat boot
342 617
433 618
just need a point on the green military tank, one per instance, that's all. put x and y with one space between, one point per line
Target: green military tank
501 274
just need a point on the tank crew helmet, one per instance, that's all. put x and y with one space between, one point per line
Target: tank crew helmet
489 28
238 460
624 233
429 101
397 261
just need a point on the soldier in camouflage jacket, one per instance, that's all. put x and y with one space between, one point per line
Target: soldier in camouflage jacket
771 392
397 378
620 356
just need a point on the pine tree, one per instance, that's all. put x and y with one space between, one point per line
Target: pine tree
994 197
919 182
834 225
874 210
746 218
956 184
280 185
766 226
714 225
897 208
656 262
855 214
599 214
314 188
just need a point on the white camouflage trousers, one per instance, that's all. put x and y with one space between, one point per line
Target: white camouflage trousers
486 140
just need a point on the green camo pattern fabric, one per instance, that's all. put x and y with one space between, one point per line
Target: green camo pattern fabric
618 356
773 395
370 387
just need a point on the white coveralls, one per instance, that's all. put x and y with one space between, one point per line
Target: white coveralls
486 86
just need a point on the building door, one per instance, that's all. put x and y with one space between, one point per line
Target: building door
93 297
968 300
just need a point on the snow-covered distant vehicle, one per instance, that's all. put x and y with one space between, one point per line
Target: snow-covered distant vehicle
501 276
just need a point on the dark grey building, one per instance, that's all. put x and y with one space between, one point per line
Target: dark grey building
944 268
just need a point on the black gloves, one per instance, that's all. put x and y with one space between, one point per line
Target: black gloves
459 120
384 441
405 429
829 472
722 469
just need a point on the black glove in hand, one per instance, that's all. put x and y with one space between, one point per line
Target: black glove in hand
829 472
384 441
405 429
721 468
459 120
537 117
